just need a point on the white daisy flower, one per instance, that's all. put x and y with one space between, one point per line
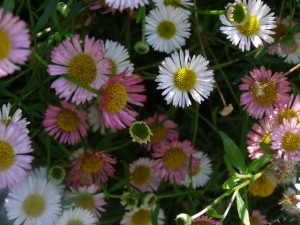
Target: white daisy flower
202 171
256 27
187 3
180 74
76 216
293 57
88 198
167 28
124 4
118 56
16 118
34 202
141 216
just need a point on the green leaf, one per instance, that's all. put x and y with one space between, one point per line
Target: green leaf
154 215
48 12
266 148
242 210
228 165
8 5
213 213
119 185
233 152
230 183
258 163
140 14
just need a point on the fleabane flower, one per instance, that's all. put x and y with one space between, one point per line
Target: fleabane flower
181 75
14 43
118 57
88 198
290 201
186 3
167 28
91 168
66 124
141 216
126 4
117 93
201 172
36 201
76 216
15 118
292 57
14 161
204 220
264 92
172 160
254 27
142 175
162 129
258 218
286 140
85 64
260 133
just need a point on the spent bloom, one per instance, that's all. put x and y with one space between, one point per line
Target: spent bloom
204 220
248 22
36 201
181 75
264 186
172 160
117 93
14 43
66 124
290 201
91 168
167 28
83 64
264 92
14 161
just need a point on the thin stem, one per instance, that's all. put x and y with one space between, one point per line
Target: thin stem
143 24
39 58
228 207
204 12
291 70
81 84
196 119
209 124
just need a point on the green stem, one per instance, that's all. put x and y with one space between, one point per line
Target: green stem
195 123
143 24
118 147
81 84
39 58
203 12
209 124
147 67
172 195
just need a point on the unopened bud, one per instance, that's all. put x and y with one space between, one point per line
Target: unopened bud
141 47
183 219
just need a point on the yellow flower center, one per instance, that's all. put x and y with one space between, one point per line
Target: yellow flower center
75 222
92 163
185 79
113 69
85 201
5 45
254 221
250 27
83 68
197 170
34 205
166 29
266 138
141 217
118 97
141 175
264 93
287 114
290 142
174 159
202 222
262 187
280 31
168 2
67 120
158 133
7 156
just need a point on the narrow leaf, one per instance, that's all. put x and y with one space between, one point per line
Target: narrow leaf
213 213
230 183
140 14
259 163
233 152
154 215
242 210
8 5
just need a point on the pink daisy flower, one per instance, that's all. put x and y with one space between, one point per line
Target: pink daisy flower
14 43
126 4
258 218
287 111
204 220
16 118
85 64
142 175
88 198
116 94
91 168
67 124
14 163
264 92
172 160
162 130
286 140
260 132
